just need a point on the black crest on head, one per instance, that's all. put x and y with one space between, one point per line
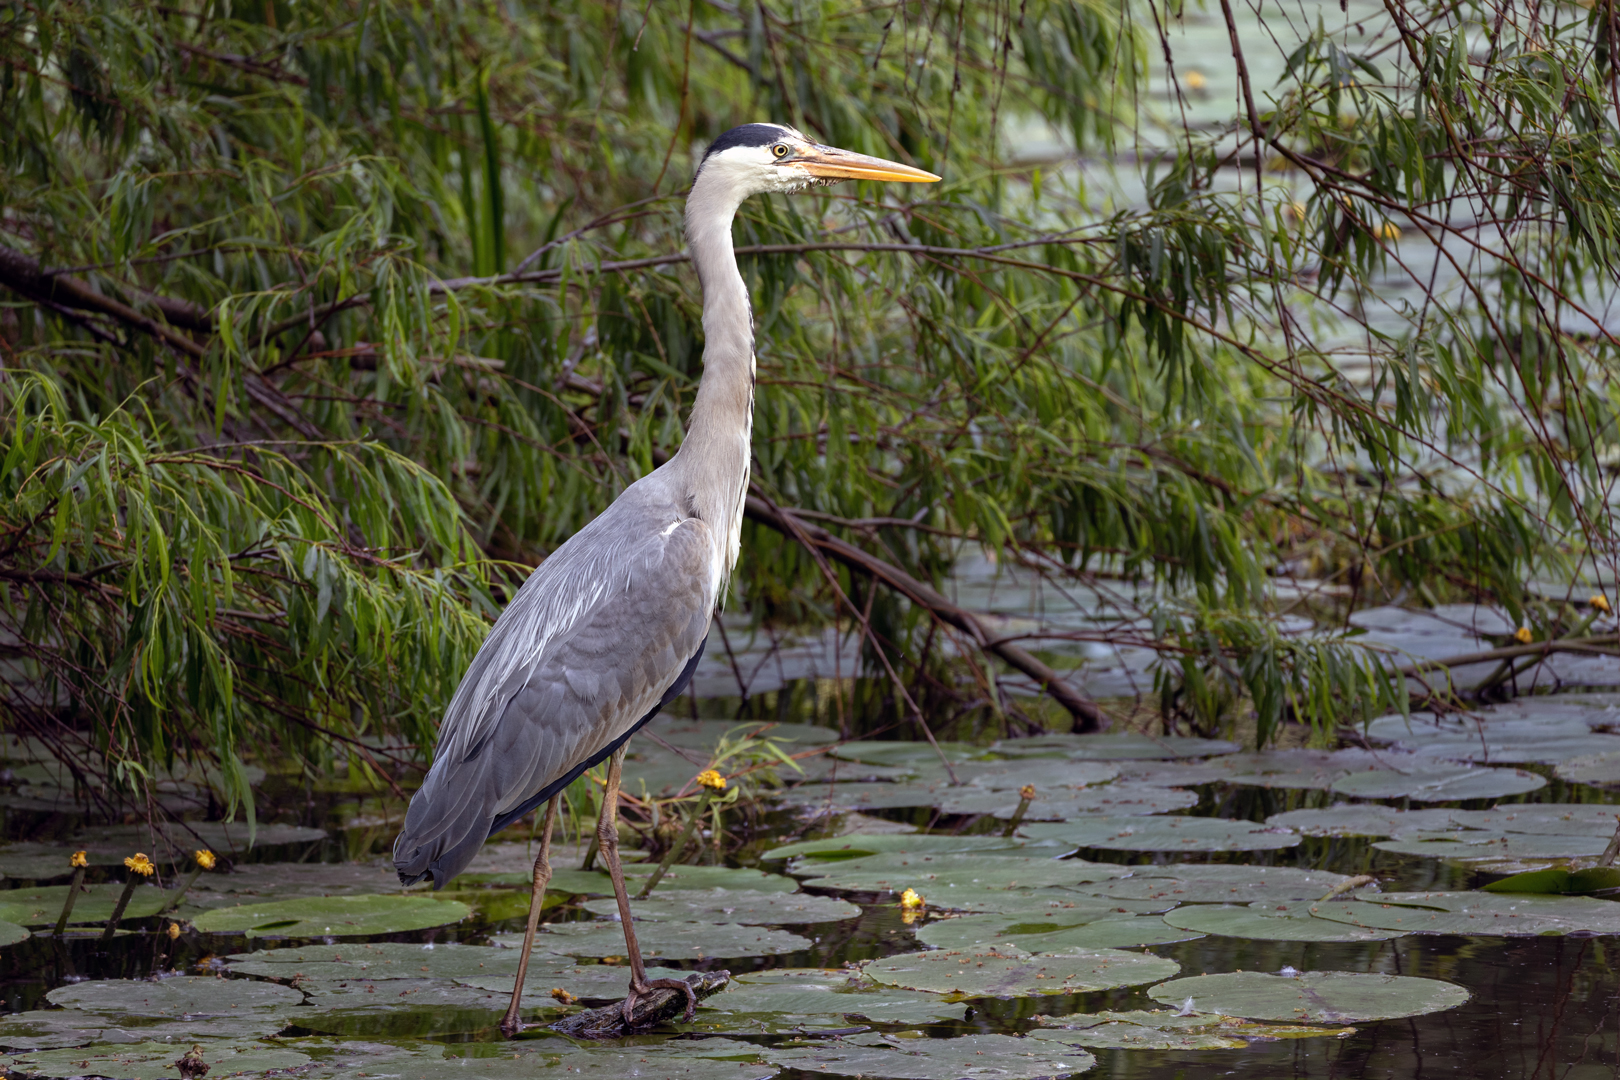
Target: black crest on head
746 135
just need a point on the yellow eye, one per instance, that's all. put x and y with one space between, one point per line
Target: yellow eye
780 150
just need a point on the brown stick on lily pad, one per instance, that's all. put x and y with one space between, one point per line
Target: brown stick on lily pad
657 1007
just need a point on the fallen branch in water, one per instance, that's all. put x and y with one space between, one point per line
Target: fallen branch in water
1087 716
660 1006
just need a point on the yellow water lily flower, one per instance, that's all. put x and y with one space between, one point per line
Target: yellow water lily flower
711 779
1600 602
1027 792
79 858
1522 635
141 865
911 899
205 859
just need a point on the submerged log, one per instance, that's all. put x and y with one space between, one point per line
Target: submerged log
658 1007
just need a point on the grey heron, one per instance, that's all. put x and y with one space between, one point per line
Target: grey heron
610 627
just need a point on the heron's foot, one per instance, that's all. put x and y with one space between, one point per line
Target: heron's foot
511 1025
637 992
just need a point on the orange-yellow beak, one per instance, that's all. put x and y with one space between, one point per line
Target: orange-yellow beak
831 163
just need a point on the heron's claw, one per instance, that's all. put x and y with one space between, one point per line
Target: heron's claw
637 992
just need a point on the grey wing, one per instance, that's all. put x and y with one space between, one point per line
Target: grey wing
580 656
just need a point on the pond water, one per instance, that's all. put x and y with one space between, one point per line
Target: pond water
1178 885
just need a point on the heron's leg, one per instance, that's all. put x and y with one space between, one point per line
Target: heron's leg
607 835
510 1024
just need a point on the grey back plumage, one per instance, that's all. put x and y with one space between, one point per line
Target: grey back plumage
587 647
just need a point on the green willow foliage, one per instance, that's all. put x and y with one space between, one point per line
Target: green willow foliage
325 315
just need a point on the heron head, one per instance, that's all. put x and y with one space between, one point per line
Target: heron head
758 158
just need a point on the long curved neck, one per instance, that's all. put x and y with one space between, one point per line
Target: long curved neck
713 460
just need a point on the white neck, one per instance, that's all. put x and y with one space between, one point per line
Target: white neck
712 464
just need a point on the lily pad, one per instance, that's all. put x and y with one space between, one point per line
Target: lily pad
733 906
675 940
1364 819
1057 774
889 873
1164 834
182 995
1481 913
1026 931
863 796
412 1008
1439 783
1599 770
1160 1029
973 974
1563 819
152 1060
856 845
967 1057
1496 846
818 998
706 1059
181 839
903 754
1219 883
11 933
1099 927
1317 997
1126 746
35 862
381 960
1561 882
548 972
332 916
711 877
288 880
1272 922
1510 734
41 906
1060 804
1303 770
57 1028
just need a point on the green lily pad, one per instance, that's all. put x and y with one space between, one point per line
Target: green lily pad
1164 834
1496 846
548 972
1563 819
170 840
182 995
152 1060
675 940
1050 776
1160 1029
1316 997
1219 883
1272 922
1479 913
817 998
973 974
1534 732
905 754
856 845
282 881
1365 819
1052 933
1561 882
1439 783
1599 770
332 916
937 873
59 1028
733 906
966 1057
1303 770
1126 746
864 796
1027 901
11 933
1060 804
41 906
711 877
376 960
706 1059
1004 931
36 862
412 1008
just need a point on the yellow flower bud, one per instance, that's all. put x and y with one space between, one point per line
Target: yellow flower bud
1027 792
141 865
1390 231
563 996
174 930
911 900
712 780
1522 635
1194 81
205 859
1600 602
79 858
